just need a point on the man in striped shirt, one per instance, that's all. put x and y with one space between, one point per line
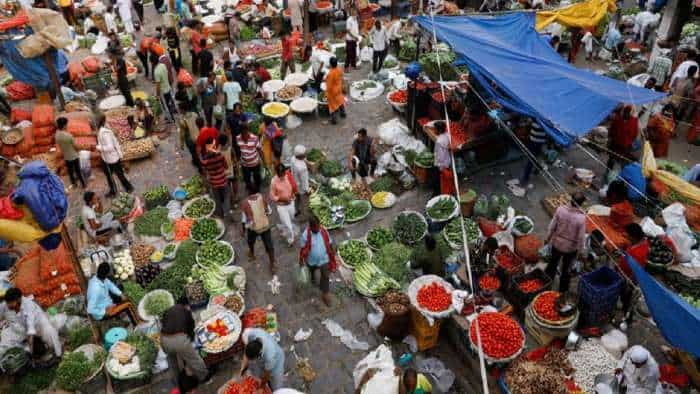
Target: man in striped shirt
537 139
214 164
249 145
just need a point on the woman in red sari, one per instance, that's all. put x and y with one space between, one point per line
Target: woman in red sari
660 129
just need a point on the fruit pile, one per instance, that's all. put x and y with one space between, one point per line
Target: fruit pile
530 285
218 327
545 306
434 297
501 336
489 283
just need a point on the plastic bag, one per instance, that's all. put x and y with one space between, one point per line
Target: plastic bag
366 54
683 241
515 230
650 228
380 359
375 319
383 382
346 337
303 276
615 342
85 166
444 377
481 207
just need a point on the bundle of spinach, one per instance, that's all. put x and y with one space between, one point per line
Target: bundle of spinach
174 277
146 350
393 259
384 183
149 223
76 368
331 168
78 335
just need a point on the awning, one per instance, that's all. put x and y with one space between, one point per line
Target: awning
530 77
583 15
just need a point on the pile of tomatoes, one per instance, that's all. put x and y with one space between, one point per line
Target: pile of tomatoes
434 297
249 385
438 97
218 327
507 260
489 283
544 306
501 336
399 96
458 136
530 285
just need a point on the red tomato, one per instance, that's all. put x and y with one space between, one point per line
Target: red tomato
434 297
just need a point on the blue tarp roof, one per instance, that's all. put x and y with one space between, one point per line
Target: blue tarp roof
31 71
532 78
678 321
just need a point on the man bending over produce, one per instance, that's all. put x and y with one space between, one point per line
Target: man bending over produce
176 337
639 371
29 322
103 296
266 357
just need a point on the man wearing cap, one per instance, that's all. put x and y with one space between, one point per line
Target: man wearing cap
300 172
639 371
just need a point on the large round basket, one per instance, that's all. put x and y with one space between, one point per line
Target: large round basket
199 261
267 107
12 136
216 301
397 105
304 105
90 350
219 225
296 79
190 202
439 198
389 200
492 360
272 86
342 261
359 218
368 93
224 387
550 323
425 222
142 304
116 375
426 280
208 339
112 103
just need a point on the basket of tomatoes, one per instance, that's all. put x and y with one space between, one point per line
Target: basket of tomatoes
398 99
245 385
431 295
546 309
524 288
502 338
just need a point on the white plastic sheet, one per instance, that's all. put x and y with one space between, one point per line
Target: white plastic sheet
395 132
379 359
346 337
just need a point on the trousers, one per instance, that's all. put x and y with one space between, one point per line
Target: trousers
181 354
286 214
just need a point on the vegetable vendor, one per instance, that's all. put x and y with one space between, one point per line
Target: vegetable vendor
104 298
428 258
283 190
639 371
27 322
442 181
363 159
482 255
266 355
176 339
413 382
96 226
318 254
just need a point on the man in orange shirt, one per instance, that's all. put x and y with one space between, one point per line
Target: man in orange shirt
287 55
195 40
149 46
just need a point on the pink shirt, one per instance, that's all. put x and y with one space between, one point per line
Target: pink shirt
567 230
281 190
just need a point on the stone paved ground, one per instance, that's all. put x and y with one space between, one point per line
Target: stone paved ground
332 361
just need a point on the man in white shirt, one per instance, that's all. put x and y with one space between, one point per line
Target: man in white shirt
587 42
394 34
124 7
28 321
682 69
111 152
110 20
232 91
300 172
378 38
352 37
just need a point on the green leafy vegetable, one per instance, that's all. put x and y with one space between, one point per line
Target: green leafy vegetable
173 278
314 155
409 227
214 252
353 252
133 291
157 196
199 208
78 335
149 223
331 168
378 237
442 209
384 183
146 350
75 368
393 260
194 186
156 304
205 229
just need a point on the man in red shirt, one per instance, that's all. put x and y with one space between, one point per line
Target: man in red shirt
623 132
261 73
144 48
287 55
196 47
205 133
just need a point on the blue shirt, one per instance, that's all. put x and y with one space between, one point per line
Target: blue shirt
98 299
318 255
693 174
272 353
632 175
613 38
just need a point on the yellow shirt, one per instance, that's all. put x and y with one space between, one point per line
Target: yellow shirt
65 3
422 383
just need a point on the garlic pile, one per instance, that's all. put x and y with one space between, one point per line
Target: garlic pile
123 264
589 360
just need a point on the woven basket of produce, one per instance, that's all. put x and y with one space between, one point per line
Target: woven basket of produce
138 149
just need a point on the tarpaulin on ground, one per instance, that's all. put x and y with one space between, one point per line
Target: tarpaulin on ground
679 185
678 321
31 71
531 78
583 15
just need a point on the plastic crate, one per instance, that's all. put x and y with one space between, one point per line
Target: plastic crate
599 288
504 274
426 335
520 299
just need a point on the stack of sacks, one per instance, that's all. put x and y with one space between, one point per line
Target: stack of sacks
79 69
18 91
80 127
44 128
23 148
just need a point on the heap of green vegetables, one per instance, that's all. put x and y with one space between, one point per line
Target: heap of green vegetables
173 277
78 335
429 64
122 205
149 223
205 229
370 281
331 168
133 291
356 210
199 208
393 259
157 196
156 304
378 237
194 186
385 183
75 368
442 209
425 159
146 350
314 155
353 252
247 33
409 227
407 52
214 252
453 231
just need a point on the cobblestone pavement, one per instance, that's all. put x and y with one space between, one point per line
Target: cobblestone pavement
331 360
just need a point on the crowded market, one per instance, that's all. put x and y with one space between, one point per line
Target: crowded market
451 197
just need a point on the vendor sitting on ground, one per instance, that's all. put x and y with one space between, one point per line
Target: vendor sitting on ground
631 175
413 382
104 299
428 258
639 371
482 255
27 322
363 160
262 350
97 224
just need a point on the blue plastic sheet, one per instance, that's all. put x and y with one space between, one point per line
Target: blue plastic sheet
31 71
531 78
43 193
678 321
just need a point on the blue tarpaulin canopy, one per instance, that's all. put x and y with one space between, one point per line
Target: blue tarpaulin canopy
531 78
31 71
678 321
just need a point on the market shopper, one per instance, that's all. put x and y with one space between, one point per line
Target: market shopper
272 142
296 13
163 80
177 341
119 66
442 181
287 55
684 96
111 153
215 167
394 34
587 42
317 252
250 148
283 190
428 258
104 298
536 140
124 7
378 38
189 132
69 150
565 235
660 129
232 93
255 222
173 41
30 325
235 120
263 357
363 159
207 92
352 37
206 59
639 371
334 91
300 171
196 46
624 129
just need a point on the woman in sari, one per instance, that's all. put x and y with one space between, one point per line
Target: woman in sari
660 130
271 142
334 90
